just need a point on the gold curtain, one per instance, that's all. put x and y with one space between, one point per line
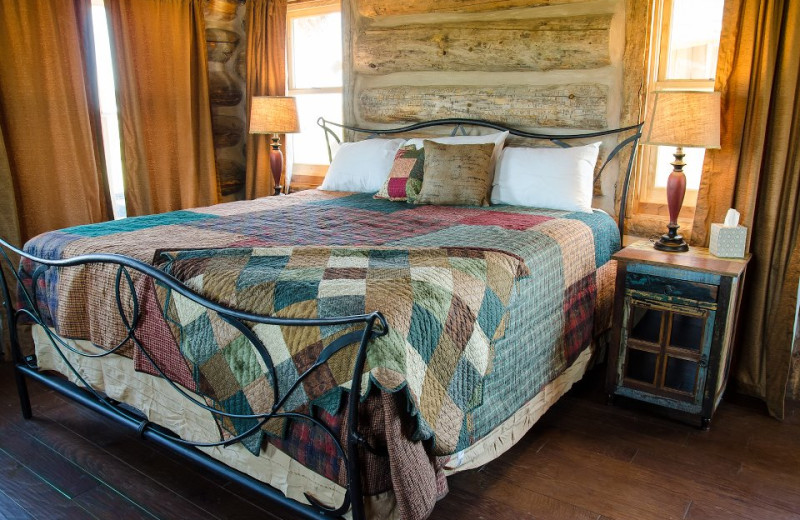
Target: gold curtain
757 171
266 76
9 220
9 230
52 158
159 49
51 161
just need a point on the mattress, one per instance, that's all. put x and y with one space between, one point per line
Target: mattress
501 302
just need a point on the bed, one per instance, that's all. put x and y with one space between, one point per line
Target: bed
338 353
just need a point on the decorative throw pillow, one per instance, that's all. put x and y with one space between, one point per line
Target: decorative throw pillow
405 178
498 138
552 178
456 174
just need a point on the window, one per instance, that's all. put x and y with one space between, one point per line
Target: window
108 108
683 56
314 59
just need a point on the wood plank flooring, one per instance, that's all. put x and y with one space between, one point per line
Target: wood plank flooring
583 461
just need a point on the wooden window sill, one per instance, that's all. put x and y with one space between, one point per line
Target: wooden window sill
650 225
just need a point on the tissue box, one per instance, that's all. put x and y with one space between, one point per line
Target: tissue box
727 242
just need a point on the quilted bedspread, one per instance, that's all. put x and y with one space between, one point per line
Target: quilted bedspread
444 306
466 291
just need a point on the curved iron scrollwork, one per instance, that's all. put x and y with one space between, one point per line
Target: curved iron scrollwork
561 140
374 325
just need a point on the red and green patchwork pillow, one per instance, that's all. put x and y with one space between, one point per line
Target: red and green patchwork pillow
405 178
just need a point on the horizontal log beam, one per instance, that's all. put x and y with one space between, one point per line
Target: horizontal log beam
526 106
540 44
373 8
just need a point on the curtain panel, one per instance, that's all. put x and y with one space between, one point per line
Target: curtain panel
266 76
9 230
757 171
49 118
51 162
161 67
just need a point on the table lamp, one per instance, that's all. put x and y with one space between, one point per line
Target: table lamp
274 115
680 118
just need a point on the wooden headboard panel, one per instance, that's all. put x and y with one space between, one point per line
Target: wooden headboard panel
538 65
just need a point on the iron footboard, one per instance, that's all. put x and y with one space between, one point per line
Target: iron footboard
374 325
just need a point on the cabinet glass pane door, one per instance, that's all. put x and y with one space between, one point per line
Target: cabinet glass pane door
641 366
665 348
646 323
680 375
686 331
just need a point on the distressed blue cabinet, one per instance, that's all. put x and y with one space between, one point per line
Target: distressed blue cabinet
674 325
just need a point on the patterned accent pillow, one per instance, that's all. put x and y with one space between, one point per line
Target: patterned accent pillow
405 178
456 174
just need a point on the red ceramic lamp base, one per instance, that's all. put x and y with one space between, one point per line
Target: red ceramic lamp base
276 163
672 242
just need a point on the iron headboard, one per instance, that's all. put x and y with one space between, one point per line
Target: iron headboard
460 124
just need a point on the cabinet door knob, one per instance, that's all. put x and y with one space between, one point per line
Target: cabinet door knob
669 289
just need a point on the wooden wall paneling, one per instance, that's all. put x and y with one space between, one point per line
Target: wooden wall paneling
375 8
638 15
535 64
351 23
557 106
533 44
226 47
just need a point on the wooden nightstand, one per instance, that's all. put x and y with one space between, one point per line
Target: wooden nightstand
674 323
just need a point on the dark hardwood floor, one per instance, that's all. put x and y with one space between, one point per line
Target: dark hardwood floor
583 460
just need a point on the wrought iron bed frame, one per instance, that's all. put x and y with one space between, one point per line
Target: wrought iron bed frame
374 325
460 124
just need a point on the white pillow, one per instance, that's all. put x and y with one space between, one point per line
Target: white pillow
552 178
498 138
361 166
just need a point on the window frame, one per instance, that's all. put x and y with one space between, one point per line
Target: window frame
651 199
304 174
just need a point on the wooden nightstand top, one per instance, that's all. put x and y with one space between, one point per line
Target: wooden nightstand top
696 259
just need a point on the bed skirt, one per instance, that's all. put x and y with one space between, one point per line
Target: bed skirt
115 376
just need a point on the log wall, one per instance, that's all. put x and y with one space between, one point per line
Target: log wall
225 44
539 65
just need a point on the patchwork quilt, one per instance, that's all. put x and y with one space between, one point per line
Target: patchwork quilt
443 307
475 297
